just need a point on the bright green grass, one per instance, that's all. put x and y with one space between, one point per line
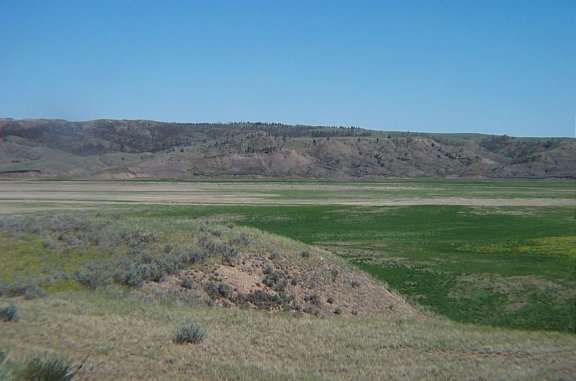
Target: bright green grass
506 266
27 260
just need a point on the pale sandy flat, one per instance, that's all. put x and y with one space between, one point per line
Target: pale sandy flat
48 195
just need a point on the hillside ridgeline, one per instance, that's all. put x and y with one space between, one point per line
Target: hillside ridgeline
125 149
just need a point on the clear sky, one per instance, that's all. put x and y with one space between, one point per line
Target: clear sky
490 66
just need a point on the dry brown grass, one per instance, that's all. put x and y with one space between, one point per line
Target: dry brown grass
131 338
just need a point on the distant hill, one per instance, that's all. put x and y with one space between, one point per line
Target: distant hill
148 149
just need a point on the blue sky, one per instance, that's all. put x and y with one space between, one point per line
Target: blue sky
489 66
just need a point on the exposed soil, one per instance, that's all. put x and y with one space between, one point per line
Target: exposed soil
310 283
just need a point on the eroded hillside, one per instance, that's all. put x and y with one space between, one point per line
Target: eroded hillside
148 149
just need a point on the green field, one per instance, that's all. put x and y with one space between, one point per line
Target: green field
505 266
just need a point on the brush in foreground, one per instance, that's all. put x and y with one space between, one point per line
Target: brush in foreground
46 368
9 313
189 333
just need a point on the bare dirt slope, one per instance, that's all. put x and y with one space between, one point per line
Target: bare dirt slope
288 278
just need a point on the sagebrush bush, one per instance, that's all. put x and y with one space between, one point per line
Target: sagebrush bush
224 290
312 298
263 300
142 266
189 333
46 368
167 265
136 237
94 276
128 275
193 256
243 239
58 230
187 283
274 280
152 271
9 313
334 273
211 289
312 310
216 291
28 291
216 247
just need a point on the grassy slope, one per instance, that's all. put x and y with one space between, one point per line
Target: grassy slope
130 338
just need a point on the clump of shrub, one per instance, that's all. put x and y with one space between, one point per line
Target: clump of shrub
186 283
216 247
334 273
94 276
66 232
136 237
274 280
312 310
189 333
9 313
47 243
129 275
215 291
211 289
267 301
312 298
242 239
142 266
27 290
47 368
230 256
225 290
58 230
216 231
261 299
192 256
